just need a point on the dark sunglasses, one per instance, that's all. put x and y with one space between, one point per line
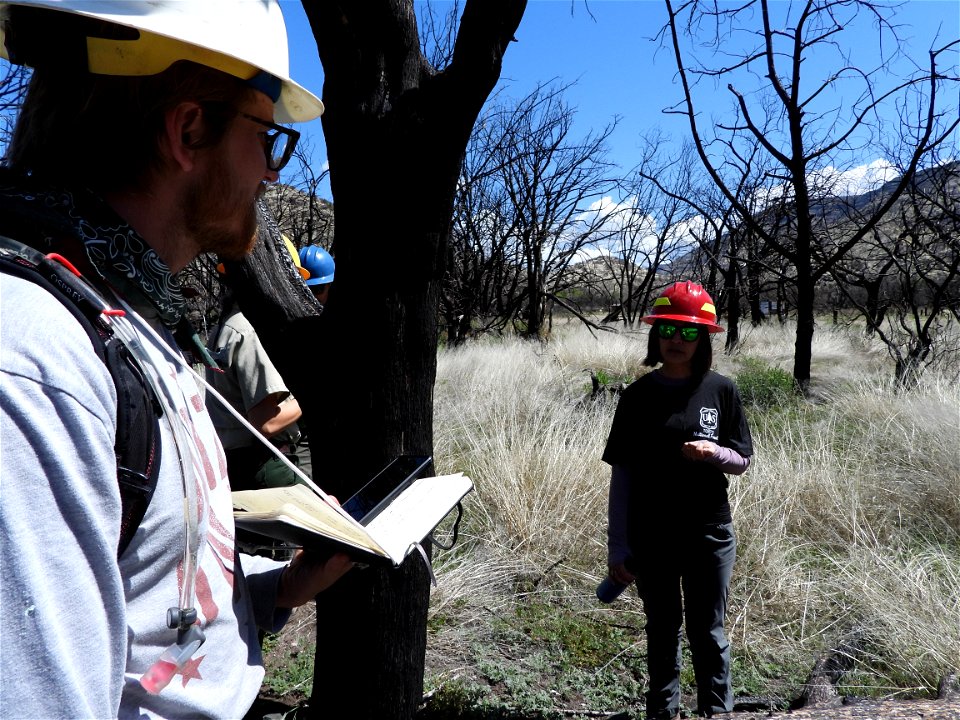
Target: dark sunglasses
278 146
689 333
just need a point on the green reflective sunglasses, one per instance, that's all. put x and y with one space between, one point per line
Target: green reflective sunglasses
690 333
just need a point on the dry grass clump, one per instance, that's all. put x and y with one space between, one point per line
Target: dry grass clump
619 355
904 447
848 523
506 419
840 355
848 519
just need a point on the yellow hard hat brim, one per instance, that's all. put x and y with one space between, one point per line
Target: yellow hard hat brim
154 52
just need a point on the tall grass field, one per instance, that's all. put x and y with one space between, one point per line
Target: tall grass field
848 527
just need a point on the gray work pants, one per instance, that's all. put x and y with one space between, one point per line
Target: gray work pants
700 563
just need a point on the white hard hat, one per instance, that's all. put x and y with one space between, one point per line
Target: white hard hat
244 38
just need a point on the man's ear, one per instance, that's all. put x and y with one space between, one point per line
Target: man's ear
184 126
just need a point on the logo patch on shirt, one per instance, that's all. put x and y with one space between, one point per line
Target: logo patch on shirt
709 419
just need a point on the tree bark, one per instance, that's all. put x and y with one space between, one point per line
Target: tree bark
731 281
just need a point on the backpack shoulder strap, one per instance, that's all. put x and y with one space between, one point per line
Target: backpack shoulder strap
137 441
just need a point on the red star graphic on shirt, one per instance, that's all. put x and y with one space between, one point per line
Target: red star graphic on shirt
191 670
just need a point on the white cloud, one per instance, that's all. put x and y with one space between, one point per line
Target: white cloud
854 181
838 183
627 230
619 218
589 252
686 232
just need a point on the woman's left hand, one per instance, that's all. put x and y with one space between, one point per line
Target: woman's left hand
699 450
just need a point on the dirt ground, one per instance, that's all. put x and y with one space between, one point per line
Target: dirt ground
868 710
302 627
864 710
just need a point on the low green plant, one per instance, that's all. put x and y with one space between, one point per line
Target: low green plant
765 387
609 381
439 620
291 674
609 378
772 678
548 659
582 642
457 700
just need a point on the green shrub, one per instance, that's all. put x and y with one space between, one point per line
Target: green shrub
457 700
610 380
762 386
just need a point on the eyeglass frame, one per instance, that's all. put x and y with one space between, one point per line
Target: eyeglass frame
293 137
671 329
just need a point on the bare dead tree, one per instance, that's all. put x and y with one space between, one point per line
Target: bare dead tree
554 184
13 88
799 120
529 204
483 272
303 216
395 128
438 32
651 227
905 282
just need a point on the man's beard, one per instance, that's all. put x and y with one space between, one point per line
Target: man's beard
221 218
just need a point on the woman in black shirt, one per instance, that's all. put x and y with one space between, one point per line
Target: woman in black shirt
677 432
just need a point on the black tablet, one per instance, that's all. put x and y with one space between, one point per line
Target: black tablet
377 494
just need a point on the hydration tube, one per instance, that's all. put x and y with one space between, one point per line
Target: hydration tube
183 619
188 454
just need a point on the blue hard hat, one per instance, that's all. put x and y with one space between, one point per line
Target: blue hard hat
319 263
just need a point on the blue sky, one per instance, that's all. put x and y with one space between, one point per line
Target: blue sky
617 69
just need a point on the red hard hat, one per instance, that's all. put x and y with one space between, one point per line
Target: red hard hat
685 301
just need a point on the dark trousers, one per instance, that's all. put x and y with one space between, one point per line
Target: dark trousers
255 468
688 578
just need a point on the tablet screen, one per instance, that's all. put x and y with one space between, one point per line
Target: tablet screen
373 497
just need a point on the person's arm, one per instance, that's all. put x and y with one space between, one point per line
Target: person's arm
65 626
618 547
269 405
309 575
729 461
725 459
274 413
276 588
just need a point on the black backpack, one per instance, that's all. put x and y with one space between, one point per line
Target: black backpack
137 443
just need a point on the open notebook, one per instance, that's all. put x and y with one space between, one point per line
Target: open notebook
381 523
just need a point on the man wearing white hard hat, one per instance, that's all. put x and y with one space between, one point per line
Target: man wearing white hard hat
148 132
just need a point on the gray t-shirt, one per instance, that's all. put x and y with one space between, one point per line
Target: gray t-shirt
80 628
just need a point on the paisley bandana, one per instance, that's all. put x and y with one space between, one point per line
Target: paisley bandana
115 250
